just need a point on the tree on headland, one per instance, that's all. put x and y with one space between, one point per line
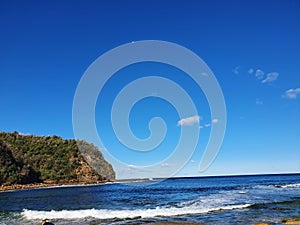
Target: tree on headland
26 159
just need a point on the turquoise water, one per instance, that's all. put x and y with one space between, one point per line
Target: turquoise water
210 200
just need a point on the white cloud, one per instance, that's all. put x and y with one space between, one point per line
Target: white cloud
132 166
259 102
251 71
188 121
270 77
165 165
236 70
259 74
193 161
132 171
25 134
214 121
292 93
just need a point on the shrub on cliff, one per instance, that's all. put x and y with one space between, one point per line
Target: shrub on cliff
28 159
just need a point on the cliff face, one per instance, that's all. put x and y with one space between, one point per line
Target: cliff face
26 159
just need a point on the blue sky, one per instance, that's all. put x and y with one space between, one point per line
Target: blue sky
252 47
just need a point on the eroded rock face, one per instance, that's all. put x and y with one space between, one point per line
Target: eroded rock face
26 159
94 158
295 221
86 174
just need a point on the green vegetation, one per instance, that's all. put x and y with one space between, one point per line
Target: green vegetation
26 159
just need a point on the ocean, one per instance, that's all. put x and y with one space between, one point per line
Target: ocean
207 200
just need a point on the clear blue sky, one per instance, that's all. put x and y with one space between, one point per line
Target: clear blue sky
252 47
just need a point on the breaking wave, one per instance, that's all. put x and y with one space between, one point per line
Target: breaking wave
289 186
276 186
124 214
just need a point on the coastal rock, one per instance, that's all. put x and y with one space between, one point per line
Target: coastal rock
295 221
94 158
27 160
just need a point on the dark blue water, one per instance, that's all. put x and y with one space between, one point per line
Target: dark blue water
211 200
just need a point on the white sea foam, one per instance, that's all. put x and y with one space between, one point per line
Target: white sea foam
122 214
269 186
290 186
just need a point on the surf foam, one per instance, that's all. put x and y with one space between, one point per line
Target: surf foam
123 214
290 186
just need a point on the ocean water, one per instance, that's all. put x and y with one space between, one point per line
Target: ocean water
210 200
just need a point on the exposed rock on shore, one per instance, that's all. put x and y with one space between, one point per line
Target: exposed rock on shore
295 221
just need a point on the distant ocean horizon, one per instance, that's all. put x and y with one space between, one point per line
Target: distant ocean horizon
208 176
227 199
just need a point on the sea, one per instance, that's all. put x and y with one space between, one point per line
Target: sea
206 200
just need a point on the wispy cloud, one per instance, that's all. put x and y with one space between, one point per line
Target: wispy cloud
262 76
270 77
292 93
132 166
251 71
189 121
236 70
214 121
259 74
259 102
25 134
165 165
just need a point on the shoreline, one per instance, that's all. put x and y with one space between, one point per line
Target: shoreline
294 221
18 187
